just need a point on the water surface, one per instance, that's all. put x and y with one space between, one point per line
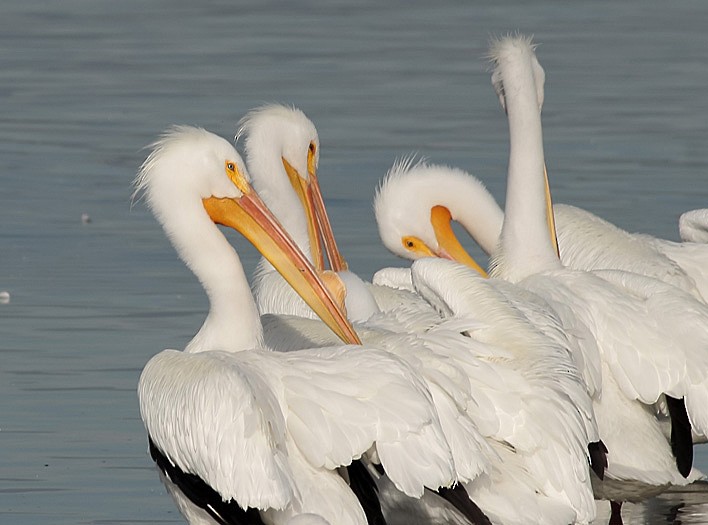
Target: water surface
85 85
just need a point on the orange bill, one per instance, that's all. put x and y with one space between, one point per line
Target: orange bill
251 217
303 192
449 246
336 260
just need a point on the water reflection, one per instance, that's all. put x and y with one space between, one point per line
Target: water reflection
680 506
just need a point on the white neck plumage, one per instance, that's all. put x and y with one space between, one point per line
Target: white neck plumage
272 184
525 241
233 323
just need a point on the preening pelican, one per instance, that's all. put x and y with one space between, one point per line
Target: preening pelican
513 409
416 202
501 305
646 354
242 434
409 232
644 361
412 233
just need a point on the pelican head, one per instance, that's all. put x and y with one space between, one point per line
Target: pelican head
415 204
504 49
193 179
287 134
281 142
188 164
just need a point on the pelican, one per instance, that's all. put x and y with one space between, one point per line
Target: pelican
444 194
411 232
645 361
282 150
503 393
590 361
281 144
416 203
242 434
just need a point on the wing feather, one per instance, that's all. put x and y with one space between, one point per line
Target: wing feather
530 379
341 401
211 415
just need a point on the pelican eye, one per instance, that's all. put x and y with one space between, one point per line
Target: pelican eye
417 246
237 177
313 148
410 243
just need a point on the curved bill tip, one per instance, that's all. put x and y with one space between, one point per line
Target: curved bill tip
449 246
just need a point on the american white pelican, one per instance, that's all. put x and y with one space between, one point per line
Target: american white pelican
415 204
503 392
282 144
644 360
246 435
453 194
641 324
498 303
443 194
282 148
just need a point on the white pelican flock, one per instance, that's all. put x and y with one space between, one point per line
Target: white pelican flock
517 394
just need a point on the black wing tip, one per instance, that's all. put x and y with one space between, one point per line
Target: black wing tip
681 437
458 497
598 458
202 495
366 491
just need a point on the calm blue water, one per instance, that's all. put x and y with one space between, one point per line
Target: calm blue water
84 85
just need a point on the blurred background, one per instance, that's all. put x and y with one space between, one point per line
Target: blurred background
95 288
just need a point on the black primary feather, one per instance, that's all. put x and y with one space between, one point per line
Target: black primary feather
598 458
457 496
681 439
202 495
364 488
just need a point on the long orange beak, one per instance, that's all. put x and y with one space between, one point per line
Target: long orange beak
324 227
251 217
319 226
304 193
449 246
336 259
